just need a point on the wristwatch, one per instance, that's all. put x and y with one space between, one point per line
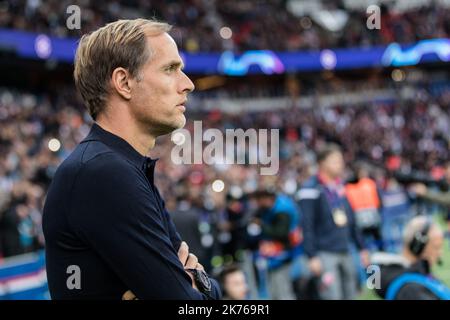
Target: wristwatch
201 279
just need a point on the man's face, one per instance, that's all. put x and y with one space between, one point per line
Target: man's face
333 165
433 249
159 97
265 202
236 285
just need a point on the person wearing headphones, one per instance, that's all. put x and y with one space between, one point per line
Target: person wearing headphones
408 276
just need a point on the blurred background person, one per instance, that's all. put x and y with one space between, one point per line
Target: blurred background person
330 228
365 201
189 218
232 225
233 283
397 210
409 276
440 197
20 225
278 217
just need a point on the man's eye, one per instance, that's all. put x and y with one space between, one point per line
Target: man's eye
171 68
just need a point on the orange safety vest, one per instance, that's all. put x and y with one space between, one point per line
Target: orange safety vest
362 195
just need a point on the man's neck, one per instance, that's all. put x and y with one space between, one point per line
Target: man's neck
327 178
409 256
141 142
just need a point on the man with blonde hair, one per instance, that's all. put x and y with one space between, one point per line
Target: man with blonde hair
106 227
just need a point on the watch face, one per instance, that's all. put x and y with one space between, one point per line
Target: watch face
204 280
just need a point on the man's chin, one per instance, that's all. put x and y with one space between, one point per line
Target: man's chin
181 122
175 125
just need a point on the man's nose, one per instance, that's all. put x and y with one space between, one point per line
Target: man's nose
186 84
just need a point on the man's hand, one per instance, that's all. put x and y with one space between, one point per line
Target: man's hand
188 260
129 296
315 265
365 258
419 188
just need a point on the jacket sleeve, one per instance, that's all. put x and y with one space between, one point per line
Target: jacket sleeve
116 213
380 198
308 199
442 198
354 230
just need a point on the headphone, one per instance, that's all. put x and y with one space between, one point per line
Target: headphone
420 239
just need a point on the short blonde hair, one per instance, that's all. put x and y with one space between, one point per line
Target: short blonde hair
418 224
118 44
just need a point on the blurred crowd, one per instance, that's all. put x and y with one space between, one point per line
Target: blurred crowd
388 154
252 24
409 136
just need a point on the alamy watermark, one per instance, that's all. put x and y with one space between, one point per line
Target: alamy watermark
235 146
374 277
74 20
374 17
74 279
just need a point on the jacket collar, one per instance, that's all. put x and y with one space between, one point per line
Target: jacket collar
121 146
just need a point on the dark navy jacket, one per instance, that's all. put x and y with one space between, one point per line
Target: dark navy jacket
319 229
104 215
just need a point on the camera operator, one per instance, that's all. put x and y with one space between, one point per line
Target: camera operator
278 218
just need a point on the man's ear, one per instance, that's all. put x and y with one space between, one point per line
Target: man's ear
120 81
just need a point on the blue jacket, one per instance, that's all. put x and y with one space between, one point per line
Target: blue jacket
320 232
435 286
284 204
